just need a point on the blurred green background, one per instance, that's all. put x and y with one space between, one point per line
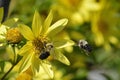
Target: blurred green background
97 21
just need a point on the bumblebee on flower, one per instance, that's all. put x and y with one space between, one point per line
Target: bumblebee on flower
41 44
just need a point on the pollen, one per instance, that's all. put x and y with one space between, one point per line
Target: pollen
38 44
13 36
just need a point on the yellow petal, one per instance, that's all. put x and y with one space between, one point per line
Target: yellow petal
47 68
57 27
63 43
35 64
60 57
3 30
24 76
36 24
113 40
26 32
47 22
27 47
25 62
1 14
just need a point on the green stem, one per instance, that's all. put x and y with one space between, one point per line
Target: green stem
14 61
3 78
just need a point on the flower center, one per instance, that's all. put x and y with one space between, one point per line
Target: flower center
39 44
42 47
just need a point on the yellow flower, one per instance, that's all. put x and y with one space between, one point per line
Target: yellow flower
41 44
6 26
104 26
77 11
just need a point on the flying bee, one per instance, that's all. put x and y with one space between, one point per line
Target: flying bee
85 46
46 51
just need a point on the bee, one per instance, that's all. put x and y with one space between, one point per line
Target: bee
83 44
44 55
46 51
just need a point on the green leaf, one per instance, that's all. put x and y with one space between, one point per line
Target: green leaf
57 27
18 58
2 65
60 57
11 22
1 14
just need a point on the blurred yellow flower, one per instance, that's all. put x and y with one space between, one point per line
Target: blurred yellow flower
41 44
77 11
103 24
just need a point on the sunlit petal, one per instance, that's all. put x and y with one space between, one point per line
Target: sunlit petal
25 62
27 47
35 64
36 24
57 27
60 57
26 32
3 30
48 68
47 22
63 43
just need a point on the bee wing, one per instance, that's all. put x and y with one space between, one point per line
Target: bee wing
86 52
60 57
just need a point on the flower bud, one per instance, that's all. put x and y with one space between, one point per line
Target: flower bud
13 36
